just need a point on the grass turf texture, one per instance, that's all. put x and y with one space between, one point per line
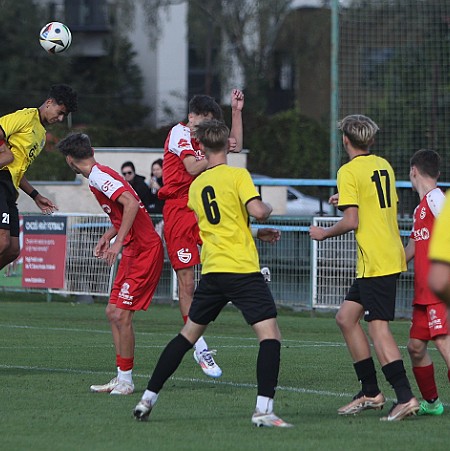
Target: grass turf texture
51 353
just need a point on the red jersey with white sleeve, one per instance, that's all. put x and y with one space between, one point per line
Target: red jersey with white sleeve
179 144
424 216
107 185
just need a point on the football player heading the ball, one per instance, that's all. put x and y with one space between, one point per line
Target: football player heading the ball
22 138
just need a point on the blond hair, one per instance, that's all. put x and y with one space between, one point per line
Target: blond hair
359 129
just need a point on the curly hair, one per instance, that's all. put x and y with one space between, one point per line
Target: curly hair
64 95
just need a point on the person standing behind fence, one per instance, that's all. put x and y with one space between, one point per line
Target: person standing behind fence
156 182
368 198
137 182
22 138
142 253
430 315
183 161
222 198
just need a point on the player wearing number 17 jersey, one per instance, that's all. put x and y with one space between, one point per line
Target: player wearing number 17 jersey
367 196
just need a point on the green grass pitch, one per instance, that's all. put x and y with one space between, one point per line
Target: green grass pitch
51 352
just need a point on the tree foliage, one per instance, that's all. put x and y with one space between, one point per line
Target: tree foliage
247 28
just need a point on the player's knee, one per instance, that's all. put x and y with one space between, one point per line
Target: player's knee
341 320
5 244
415 349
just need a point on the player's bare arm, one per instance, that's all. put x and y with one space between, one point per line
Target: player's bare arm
236 131
193 166
103 243
269 235
259 209
130 209
348 223
46 205
410 250
334 199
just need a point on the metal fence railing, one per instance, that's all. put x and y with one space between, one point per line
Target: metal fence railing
305 275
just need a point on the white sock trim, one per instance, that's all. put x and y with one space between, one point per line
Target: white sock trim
264 404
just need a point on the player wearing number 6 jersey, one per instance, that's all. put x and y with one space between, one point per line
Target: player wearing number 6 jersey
223 198
367 196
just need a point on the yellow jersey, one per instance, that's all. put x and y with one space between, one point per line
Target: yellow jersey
218 197
25 136
440 238
368 182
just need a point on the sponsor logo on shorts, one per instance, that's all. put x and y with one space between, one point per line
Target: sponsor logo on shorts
435 322
184 255
125 294
106 209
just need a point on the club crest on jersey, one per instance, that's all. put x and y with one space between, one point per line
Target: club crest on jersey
184 255
106 209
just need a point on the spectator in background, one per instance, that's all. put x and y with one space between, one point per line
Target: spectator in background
156 182
137 182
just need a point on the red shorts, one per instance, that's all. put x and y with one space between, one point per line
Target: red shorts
181 234
137 279
429 321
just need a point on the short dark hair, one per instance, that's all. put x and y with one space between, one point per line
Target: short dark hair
77 145
64 95
130 164
203 105
213 134
427 162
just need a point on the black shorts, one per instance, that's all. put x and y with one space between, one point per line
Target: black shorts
248 292
9 214
376 295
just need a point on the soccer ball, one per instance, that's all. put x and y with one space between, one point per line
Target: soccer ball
55 37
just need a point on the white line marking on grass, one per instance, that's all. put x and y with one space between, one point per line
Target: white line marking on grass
304 391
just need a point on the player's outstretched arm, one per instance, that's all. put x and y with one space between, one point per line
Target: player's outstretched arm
236 141
46 205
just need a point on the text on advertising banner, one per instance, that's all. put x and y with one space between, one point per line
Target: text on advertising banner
44 251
